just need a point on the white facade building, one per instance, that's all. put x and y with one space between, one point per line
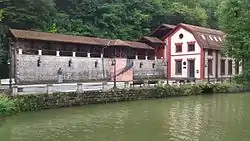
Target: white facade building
195 52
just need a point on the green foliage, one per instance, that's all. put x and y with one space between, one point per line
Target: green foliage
234 20
1 15
23 103
7 106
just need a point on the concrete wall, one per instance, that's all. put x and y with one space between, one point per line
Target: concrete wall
81 69
147 71
185 54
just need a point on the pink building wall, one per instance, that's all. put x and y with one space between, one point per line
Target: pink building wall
120 64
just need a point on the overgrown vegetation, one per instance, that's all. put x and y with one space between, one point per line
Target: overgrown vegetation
234 21
21 103
7 106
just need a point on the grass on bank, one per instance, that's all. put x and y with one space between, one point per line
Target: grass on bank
10 105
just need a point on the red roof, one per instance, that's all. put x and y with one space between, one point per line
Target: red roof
153 39
206 37
44 36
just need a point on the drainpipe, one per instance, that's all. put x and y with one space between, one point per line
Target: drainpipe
216 64
103 66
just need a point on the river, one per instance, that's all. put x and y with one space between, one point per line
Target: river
195 118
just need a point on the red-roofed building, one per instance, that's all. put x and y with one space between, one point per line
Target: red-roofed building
195 52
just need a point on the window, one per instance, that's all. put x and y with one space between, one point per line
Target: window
230 67
237 67
222 67
210 52
210 67
191 47
178 67
203 37
178 48
181 36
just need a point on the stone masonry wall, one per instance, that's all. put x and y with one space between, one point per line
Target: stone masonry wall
81 69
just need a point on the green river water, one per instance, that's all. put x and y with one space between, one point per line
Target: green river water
194 118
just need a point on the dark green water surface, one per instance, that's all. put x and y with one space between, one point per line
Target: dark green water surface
193 118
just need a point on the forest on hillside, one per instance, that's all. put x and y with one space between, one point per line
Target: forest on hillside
127 19
123 19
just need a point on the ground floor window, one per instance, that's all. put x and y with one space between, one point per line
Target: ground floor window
178 67
230 67
237 67
222 68
210 67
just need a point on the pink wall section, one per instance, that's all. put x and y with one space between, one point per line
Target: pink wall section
120 64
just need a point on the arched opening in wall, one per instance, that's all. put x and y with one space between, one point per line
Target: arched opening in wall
82 50
151 55
67 49
141 54
130 53
108 52
95 51
49 49
27 47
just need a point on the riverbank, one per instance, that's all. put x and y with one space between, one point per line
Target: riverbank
21 103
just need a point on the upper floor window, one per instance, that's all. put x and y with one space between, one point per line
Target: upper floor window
178 47
191 47
210 52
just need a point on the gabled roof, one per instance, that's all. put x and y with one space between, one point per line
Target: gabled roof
152 40
44 36
162 30
206 37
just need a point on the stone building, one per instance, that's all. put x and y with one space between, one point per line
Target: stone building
37 57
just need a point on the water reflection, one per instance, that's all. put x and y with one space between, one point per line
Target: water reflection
198 118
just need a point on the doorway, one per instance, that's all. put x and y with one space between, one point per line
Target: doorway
191 68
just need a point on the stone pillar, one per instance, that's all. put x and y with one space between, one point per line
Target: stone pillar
49 89
136 57
101 55
20 51
146 83
146 57
79 88
40 52
57 53
126 84
88 54
74 54
14 90
104 86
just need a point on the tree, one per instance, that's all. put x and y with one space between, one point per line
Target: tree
27 14
234 21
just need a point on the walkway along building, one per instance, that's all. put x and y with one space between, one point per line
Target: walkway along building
195 52
37 57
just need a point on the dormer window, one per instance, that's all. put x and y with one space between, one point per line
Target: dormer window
191 46
178 47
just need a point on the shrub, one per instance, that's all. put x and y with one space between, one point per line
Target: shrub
7 105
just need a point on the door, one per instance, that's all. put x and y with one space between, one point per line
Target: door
191 68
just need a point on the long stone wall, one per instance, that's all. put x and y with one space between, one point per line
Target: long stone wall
81 68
